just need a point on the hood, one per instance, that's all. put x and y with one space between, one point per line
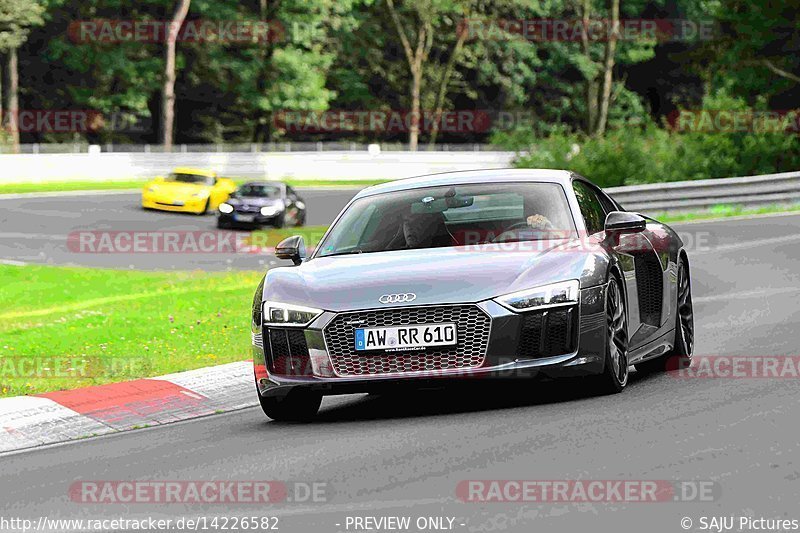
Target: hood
259 201
178 189
438 275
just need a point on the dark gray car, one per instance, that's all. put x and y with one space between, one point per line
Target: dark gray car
496 273
260 203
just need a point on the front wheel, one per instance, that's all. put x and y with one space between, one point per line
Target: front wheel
615 372
297 406
681 354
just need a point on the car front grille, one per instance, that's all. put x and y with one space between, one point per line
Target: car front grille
472 333
548 333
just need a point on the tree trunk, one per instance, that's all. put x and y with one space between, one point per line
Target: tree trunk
439 106
413 132
168 93
416 61
264 124
608 68
591 83
11 119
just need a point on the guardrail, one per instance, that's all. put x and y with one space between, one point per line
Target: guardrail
265 165
285 147
697 195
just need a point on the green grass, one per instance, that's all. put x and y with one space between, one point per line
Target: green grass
725 211
65 186
270 237
109 325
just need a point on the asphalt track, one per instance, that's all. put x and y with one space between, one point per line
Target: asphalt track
36 230
404 455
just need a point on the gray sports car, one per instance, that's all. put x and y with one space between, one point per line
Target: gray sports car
495 273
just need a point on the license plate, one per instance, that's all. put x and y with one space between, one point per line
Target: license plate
244 218
405 337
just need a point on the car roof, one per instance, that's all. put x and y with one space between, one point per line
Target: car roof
499 175
195 171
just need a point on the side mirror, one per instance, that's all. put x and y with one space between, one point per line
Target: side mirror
293 248
624 222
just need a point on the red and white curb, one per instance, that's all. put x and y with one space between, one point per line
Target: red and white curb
54 417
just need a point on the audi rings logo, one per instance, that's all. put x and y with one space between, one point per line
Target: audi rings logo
403 297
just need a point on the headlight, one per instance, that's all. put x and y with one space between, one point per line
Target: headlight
278 314
270 210
225 208
563 293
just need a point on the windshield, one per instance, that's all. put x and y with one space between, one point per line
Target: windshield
259 190
191 178
451 216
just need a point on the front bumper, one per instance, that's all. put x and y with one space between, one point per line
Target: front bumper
507 354
230 219
192 205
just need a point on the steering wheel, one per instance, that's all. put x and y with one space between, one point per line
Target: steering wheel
510 229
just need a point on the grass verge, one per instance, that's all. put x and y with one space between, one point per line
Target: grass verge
67 186
725 211
65 327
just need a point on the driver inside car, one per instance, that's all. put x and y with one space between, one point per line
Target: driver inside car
426 230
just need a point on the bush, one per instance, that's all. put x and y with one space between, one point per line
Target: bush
650 154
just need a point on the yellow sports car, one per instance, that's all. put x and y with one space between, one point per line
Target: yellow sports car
189 190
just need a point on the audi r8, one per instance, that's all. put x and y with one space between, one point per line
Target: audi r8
262 203
497 273
188 190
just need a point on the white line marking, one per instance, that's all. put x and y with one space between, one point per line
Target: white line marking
744 295
39 236
749 244
50 194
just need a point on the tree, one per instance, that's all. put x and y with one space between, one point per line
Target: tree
168 92
600 75
16 19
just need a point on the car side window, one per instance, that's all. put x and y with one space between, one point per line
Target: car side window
608 203
594 216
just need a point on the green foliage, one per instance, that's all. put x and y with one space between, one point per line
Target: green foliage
649 154
16 18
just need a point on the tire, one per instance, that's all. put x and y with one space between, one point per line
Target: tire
615 370
279 222
681 354
297 406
